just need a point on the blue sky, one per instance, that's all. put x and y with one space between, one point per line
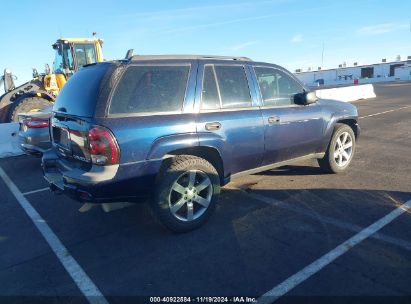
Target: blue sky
287 32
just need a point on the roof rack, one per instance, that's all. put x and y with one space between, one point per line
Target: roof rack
189 57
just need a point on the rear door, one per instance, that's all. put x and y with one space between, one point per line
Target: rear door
229 116
291 130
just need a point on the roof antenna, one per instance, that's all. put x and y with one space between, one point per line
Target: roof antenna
129 54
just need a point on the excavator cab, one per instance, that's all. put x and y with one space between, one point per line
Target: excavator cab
70 55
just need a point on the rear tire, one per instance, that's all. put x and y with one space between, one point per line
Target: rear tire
26 104
186 193
340 151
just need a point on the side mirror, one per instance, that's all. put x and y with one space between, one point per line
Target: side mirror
310 97
305 98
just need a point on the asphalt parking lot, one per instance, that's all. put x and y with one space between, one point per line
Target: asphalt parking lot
268 227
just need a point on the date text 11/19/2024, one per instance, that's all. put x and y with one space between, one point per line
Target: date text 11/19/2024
203 300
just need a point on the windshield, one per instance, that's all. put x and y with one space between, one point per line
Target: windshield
63 60
85 54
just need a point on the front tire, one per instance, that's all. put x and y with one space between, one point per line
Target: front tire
26 104
186 193
340 150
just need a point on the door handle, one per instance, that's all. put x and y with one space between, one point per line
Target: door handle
273 120
213 126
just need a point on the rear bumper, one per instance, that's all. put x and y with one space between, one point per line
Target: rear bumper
100 184
34 143
32 150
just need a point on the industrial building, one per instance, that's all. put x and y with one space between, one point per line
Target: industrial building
378 72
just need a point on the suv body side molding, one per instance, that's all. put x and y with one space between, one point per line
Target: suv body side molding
272 166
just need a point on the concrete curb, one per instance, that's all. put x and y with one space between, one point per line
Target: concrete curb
9 144
348 94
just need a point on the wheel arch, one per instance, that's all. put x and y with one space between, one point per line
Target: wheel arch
44 95
210 154
352 123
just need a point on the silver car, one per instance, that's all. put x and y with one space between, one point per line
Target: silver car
34 134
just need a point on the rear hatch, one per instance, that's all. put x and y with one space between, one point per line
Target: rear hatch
35 120
74 110
69 135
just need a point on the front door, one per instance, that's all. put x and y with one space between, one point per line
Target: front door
291 130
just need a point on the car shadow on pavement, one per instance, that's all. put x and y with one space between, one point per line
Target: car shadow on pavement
256 239
240 246
247 247
294 170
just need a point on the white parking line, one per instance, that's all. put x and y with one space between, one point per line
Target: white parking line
389 111
35 191
82 280
329 220
308 271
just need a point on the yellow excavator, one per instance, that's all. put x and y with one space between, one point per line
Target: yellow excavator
42 90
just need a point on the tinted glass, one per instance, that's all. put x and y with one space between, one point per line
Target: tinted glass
79 95
85 54
147 89
63 61
209 95
233 86
276 87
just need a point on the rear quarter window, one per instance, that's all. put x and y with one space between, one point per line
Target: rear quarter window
150 89
79 95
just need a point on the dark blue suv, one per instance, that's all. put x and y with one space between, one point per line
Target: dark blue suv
177 128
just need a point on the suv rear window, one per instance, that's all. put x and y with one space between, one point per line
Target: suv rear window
79 95
150 88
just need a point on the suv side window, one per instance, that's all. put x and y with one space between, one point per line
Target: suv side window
150 88
276 87
225 86
210 97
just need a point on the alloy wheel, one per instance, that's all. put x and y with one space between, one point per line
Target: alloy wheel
343 149
190 195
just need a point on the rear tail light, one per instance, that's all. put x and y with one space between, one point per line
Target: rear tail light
103 146
36 123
